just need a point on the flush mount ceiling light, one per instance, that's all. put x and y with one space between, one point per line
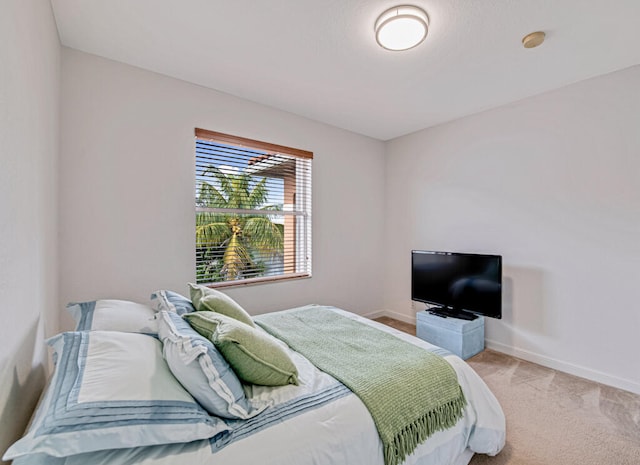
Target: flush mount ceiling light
401 27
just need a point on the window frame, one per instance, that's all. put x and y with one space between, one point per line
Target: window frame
301 232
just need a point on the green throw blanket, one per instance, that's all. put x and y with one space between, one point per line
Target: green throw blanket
410 392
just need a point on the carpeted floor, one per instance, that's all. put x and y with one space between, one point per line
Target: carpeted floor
556 418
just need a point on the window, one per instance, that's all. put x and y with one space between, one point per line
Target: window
253 210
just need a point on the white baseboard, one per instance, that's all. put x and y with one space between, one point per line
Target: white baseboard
376 314
400 316
543 360
565 367
391 314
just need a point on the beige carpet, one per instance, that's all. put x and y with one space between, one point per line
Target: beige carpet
555 418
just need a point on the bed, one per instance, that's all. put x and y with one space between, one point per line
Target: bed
108 402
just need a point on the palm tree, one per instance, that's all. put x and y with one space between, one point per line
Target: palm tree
231 244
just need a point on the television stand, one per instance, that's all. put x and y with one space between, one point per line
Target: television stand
450 312
465 338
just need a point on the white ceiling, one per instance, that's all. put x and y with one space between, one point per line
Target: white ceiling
319 58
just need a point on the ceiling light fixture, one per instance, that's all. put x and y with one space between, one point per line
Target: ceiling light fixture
533 40
401 27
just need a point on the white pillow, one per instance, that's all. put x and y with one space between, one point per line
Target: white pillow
112 390
114 315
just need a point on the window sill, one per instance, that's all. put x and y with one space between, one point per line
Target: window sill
254 281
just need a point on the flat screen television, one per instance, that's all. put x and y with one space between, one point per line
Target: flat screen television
459 285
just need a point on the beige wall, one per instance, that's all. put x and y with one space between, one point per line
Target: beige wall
127 183
552 184
29 95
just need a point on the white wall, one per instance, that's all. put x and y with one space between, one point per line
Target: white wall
127 183
29 93
552 183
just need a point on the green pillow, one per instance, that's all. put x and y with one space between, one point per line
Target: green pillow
207 299
253 354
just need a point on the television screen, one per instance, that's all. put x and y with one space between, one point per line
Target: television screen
458 283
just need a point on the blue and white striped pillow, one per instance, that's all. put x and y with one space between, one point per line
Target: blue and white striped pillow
202 370
170 301
112 390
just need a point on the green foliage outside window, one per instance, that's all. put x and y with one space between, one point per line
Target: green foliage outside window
235 246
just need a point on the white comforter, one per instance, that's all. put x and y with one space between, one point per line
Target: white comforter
339 431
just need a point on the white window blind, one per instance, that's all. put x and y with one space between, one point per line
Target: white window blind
253 210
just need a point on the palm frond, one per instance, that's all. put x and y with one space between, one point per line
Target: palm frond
264 235
203 218
275 208
240 186
211 197
223 179
210 234
258 195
